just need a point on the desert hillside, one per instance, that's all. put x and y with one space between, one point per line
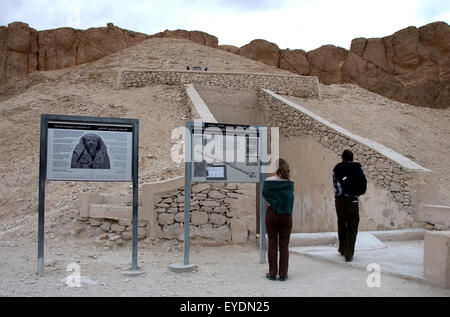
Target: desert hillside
89 89
410 66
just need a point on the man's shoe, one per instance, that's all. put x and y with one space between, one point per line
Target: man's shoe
283 278
272 278
348 258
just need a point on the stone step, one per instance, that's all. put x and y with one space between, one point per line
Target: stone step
116 200
106 211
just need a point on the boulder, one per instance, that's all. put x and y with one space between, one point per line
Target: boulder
262 51
230 48
327 63
295 61
195 36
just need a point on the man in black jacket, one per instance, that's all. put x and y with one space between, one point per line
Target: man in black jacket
349 183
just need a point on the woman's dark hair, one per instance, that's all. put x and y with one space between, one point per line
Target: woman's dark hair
283 170
347 156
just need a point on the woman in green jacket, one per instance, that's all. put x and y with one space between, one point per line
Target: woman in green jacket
278 191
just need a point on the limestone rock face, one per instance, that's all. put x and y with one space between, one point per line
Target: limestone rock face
262 51
24 50
230 48
18 50
295 61
195 36
327 62
410 66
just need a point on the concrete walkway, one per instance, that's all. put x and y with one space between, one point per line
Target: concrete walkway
402 257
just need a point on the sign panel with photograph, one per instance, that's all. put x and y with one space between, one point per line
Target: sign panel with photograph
225 152
93 149
89 151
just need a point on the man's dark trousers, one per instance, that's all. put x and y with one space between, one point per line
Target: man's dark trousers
347 210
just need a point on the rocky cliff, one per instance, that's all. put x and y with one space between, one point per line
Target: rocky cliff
24 50
410 66
195 36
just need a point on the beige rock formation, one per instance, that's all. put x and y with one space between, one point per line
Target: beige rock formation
262 51
295 61
24 50
230 48
411 66
327 63
195 36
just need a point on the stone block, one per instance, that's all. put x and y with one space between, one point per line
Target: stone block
214 194
100 211
118 228
436 260
106 226
210 203
172 231
220 209
199 218
217 219
95 222
200 187
179 217
128 235
166 219
239 231
221 234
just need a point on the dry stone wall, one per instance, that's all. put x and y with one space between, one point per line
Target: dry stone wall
213 220
384 172
299 86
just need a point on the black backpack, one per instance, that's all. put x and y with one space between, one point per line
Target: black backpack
352 178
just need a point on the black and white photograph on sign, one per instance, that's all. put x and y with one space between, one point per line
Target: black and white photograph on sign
89 152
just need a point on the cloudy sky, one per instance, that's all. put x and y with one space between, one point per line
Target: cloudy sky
294 24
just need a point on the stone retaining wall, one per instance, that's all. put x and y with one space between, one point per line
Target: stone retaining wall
383 167
299 86
213 216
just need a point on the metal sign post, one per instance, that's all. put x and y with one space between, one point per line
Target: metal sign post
62 160
134 264
220 170
262 205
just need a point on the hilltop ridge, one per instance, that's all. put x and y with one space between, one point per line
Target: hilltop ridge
410 66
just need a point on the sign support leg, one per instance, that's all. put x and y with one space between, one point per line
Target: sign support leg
41 220
185 266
